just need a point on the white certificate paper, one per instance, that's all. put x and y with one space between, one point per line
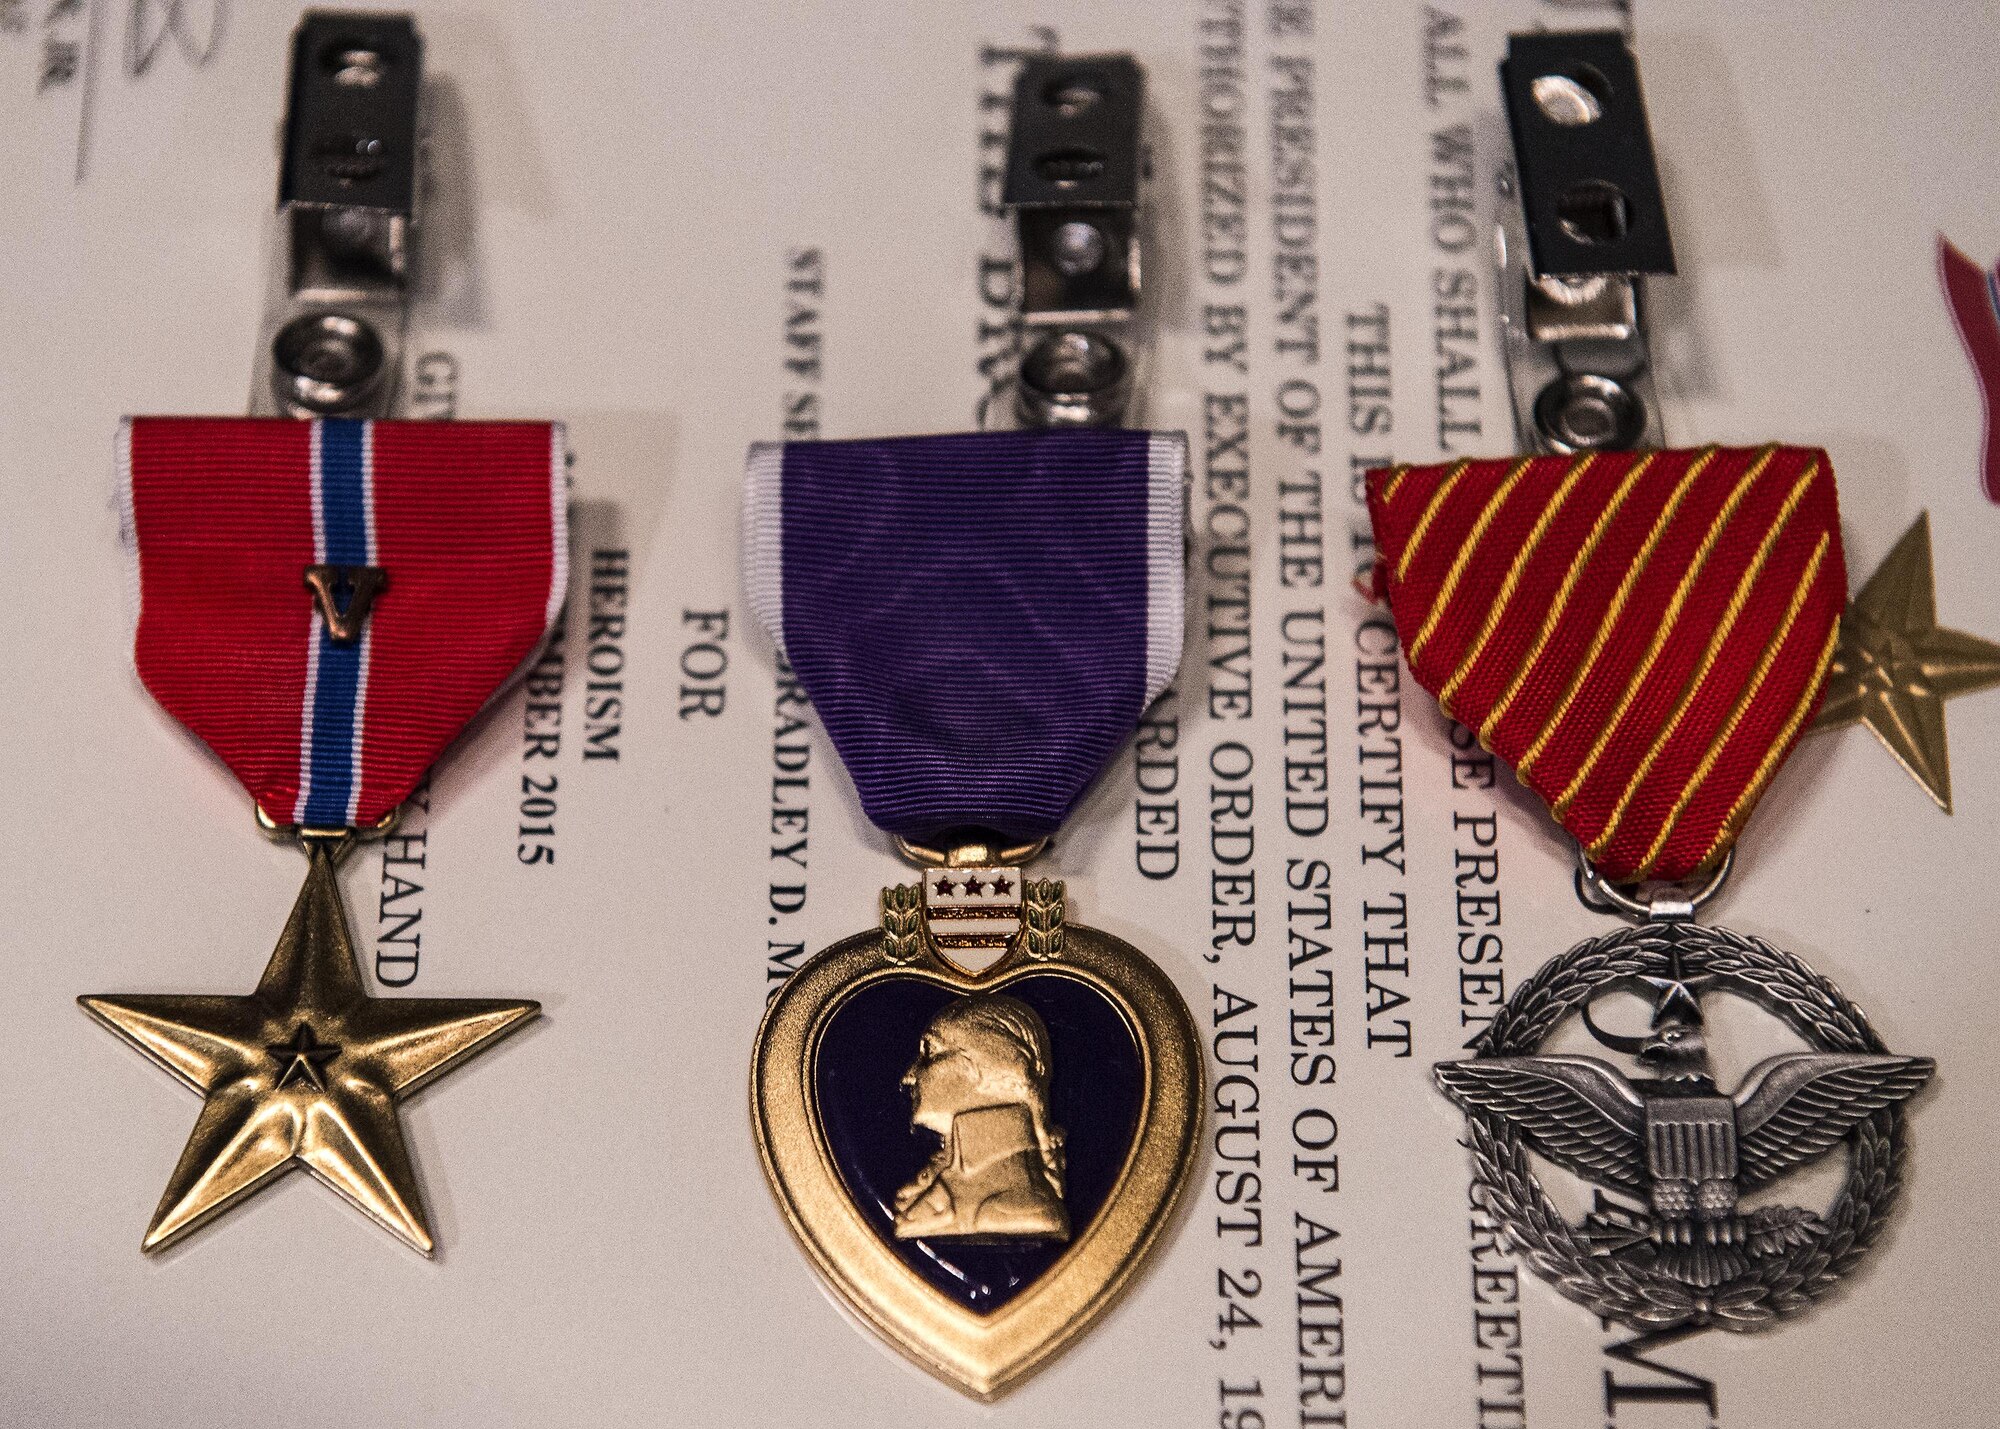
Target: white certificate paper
685 228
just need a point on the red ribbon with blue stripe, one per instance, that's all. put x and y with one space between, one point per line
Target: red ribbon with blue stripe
461 529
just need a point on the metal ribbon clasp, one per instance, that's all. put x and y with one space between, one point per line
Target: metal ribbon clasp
340 288
1582 223
1074 165
1649 902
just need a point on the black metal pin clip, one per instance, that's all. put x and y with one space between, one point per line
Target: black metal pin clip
1582 224
334 320
1074 166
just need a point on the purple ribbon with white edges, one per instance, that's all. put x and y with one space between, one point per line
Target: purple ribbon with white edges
979 619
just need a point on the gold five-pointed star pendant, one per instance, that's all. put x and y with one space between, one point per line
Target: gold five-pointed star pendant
306 1071
1895 667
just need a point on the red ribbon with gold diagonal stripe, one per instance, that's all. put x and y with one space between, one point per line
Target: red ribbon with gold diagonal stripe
1643 636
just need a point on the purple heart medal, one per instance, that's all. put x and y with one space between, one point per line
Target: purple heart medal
977 1155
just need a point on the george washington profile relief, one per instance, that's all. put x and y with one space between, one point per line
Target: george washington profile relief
981 1082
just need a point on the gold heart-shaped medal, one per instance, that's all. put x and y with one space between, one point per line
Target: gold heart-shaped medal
977 1161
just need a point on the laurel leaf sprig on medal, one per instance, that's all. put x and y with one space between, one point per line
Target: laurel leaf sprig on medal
1537 1231
1043 907
903 922
1775 1285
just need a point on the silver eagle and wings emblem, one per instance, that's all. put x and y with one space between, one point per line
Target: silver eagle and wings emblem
1677 1143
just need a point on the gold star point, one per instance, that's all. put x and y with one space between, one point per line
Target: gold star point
1895 666
305 1071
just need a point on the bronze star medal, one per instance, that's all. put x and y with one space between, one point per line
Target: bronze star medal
1895 666
305 1071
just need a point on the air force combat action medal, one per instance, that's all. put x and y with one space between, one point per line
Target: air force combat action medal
326 604
1643 636
977 1117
